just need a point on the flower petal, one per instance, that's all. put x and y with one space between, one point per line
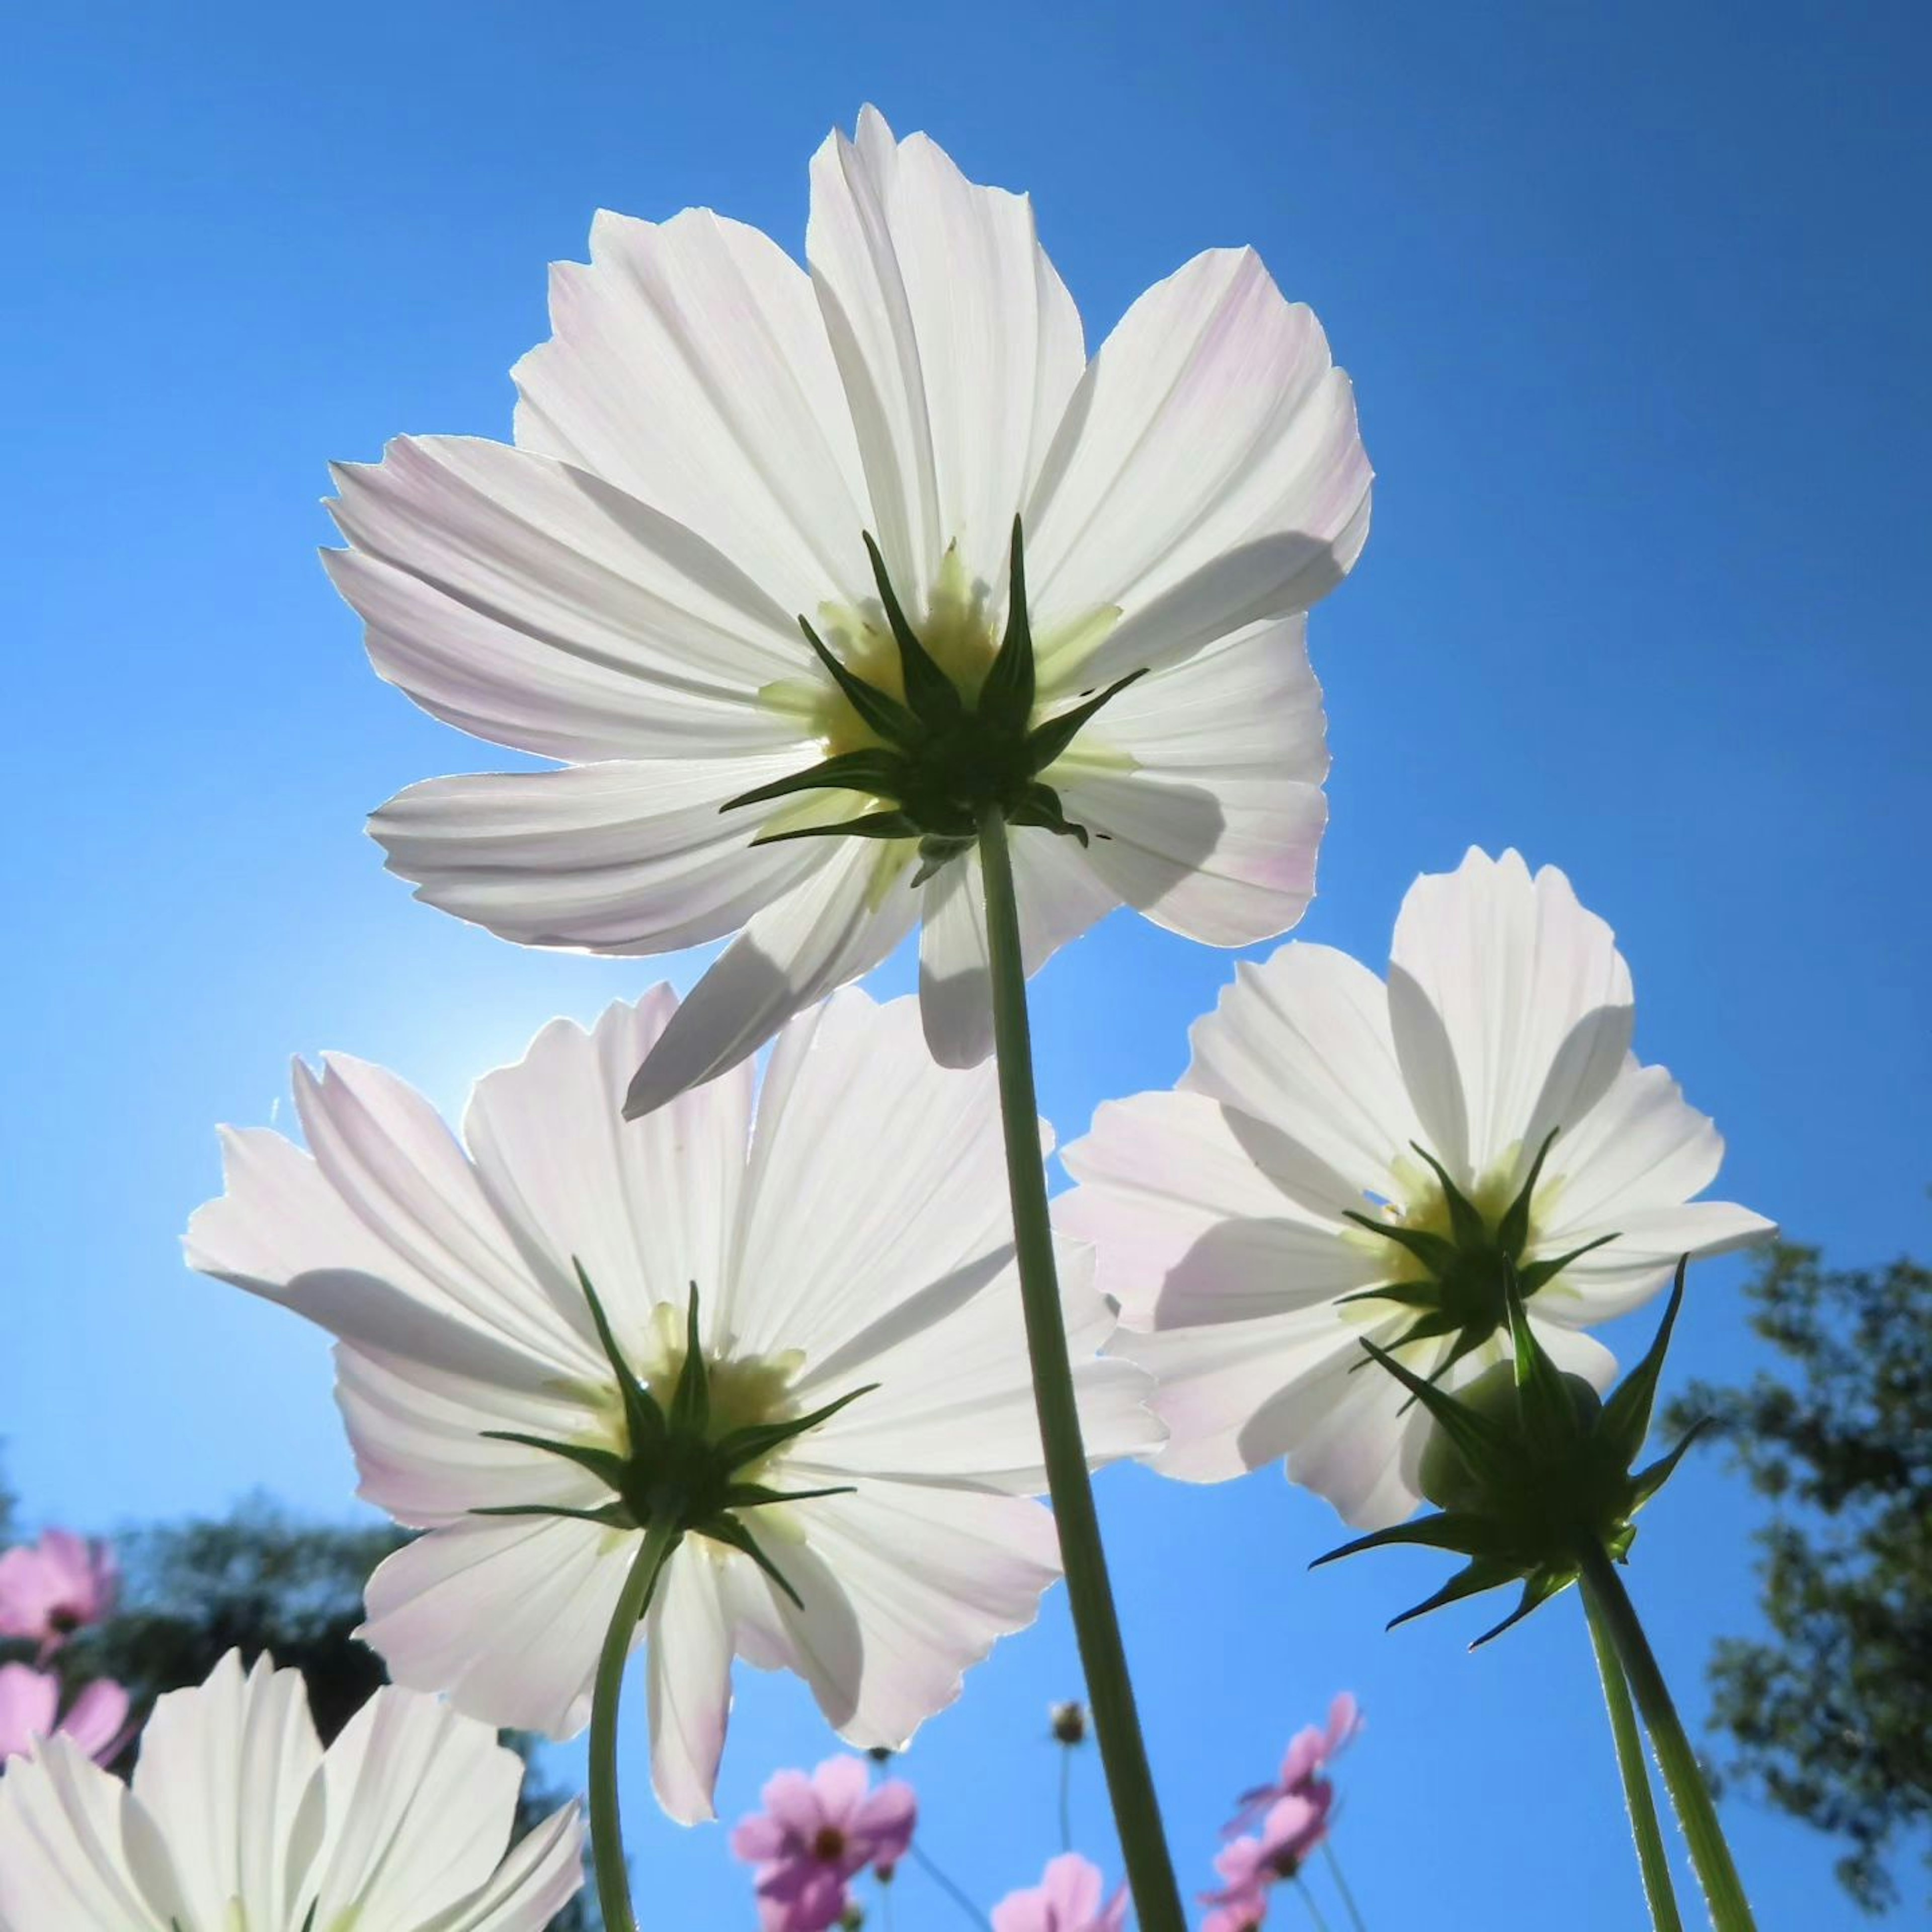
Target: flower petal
688 1657
957 342
1212 828
552 611
1209 473
833 927
506 1616
543 1873
688 365
63 1864
630 858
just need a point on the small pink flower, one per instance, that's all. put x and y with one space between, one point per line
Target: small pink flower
1308 1756
96 1721
1067 1899
48 1590
816 1834
1249 1866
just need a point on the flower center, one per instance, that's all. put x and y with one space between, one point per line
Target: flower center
830 1844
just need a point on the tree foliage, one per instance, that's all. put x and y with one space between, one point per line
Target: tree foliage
1828 1719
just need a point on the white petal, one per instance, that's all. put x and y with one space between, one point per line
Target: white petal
690 367
552 611
531 1886
646 1207
632 858
1212 826
1200 1213
223 1770
835 926
420 1801
63 1862
1059 894
506 1617
1628 1272
933 1577
1209 473
874 1176
688 1657
1525 994
958 344
1301 1040
954 1399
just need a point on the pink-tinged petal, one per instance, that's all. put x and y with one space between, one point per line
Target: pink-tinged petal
1067 1899
794 1800
1208 474
883 1823
553 609
688 364
630 858
1345 1721
758 1838
833 928
957 342
97 1720
50 1589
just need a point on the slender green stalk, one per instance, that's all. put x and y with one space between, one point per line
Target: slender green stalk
1308 1900
1109 1690
1652 1858
1065 1797
606 1828
959 1896
1697 1816
1341 1885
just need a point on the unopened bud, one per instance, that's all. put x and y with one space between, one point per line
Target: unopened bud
1068 1722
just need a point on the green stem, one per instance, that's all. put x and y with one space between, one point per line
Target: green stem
606 1828
1341 1885
1066 1798
930 1866
1697 1816
1308 1900
1652 1859
1096 1627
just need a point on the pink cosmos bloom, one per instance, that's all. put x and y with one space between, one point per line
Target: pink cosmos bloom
50 1589
96 1722
816 1834
1307 1757
1249 1866
1067 1899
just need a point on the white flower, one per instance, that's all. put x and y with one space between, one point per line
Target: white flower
700 448
850 1242
239 1821
1250 1217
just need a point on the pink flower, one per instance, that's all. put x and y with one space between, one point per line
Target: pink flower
817 1833
96 1721
1292 1829
50 1589
1067 1899
1307 1757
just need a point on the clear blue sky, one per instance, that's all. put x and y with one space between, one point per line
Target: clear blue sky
1638 325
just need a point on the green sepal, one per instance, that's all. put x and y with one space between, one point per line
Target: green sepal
756 1495
1045 742
609 1467
1536 1591
1436 1253
610 1516
691 1399
877 708
758 1439
1482 1443
869 825
644 1418
1548 1417
931 697
1403 1293
1039 805
1513 1230
1466 1224
733 1535
1483 1573
1006 697
1466 1534
871 768
937 850
1627 1410
1648 1482
1538 1274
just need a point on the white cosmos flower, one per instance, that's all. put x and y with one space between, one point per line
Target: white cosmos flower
699 449
851 1236
1225 1213
239 1821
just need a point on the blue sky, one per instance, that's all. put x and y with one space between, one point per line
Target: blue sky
1637 329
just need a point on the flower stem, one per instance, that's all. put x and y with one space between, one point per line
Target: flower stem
1314 1910
1066 1798
931 1867
1096 1627
607 1829
1341 1885
1697 1816
1651 1857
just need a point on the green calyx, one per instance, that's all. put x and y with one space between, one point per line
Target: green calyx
680 1464
1469 1271
943 761
1530 1467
